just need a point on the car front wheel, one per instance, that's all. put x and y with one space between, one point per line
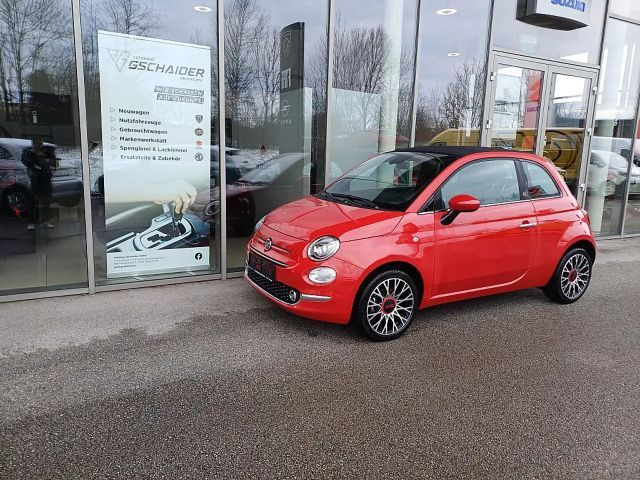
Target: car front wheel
387 305
571 278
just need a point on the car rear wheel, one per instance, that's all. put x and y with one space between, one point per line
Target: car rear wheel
571 278
387 305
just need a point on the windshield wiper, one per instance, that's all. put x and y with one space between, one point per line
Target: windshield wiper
354 199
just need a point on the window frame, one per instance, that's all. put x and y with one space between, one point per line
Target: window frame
428 207
522 161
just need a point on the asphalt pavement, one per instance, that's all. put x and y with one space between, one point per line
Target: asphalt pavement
208 380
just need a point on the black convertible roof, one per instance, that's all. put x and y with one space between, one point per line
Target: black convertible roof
456 152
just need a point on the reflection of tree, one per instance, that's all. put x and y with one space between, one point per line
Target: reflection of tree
240 22
364 62
360 65
130 17
457 105
252 64
30 30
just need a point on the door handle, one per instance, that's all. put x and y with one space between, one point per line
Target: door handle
526 225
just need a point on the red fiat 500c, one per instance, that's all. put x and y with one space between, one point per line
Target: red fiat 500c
419 227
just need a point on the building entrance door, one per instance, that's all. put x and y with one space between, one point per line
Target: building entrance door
544 108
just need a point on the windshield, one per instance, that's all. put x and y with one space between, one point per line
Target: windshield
390 181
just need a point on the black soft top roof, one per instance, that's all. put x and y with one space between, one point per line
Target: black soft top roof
455 152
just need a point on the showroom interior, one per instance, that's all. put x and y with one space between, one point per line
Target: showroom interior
116 170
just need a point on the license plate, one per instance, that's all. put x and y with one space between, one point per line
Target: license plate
262 266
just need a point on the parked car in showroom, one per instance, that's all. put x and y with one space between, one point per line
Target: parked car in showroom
615 177
419 227
16 194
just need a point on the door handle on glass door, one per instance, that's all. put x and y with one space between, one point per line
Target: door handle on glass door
526 225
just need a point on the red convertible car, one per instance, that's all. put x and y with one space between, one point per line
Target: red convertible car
419 227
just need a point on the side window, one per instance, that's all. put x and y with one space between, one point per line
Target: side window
540 183
490 181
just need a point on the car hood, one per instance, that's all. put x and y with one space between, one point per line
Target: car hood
312 217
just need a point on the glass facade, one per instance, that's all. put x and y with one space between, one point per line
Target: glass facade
133 144
625 8
612 143
452 72
581 45
373 71
275 83
42 229
153 143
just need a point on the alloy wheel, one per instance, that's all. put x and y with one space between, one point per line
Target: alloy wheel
390 306
575 276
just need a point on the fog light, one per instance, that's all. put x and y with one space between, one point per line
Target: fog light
322 275
293 295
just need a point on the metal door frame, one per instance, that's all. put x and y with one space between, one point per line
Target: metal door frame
548 68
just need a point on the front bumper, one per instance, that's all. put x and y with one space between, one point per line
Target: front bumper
278 291
292 290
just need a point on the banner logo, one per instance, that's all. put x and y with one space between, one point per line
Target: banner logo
120 57
199 118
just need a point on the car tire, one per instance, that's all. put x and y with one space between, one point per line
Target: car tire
387 305
571 277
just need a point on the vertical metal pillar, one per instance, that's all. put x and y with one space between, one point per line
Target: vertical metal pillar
222 142
84 144
416 76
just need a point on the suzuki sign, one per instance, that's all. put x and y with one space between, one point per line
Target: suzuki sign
556 14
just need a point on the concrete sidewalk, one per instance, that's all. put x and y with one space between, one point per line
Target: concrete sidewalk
208 380
70 321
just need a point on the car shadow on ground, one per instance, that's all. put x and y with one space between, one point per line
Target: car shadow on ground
458 312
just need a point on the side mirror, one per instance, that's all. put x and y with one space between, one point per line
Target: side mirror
459 204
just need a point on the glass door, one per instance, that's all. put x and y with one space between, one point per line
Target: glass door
543 108
567 128
516 101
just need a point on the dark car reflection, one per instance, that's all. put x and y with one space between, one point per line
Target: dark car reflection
16 193
276 181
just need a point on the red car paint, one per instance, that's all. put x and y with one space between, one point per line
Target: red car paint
481 253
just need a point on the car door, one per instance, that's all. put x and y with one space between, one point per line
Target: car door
493 246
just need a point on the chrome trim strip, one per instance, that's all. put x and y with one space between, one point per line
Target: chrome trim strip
266 257
274 246
314 298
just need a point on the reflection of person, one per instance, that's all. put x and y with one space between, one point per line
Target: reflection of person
40 163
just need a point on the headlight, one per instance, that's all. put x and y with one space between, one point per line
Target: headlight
322 275
323 248
259 224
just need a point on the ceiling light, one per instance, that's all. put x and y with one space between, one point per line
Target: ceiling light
202 9
453 54
446 11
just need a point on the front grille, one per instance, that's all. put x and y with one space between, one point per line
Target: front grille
273 288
